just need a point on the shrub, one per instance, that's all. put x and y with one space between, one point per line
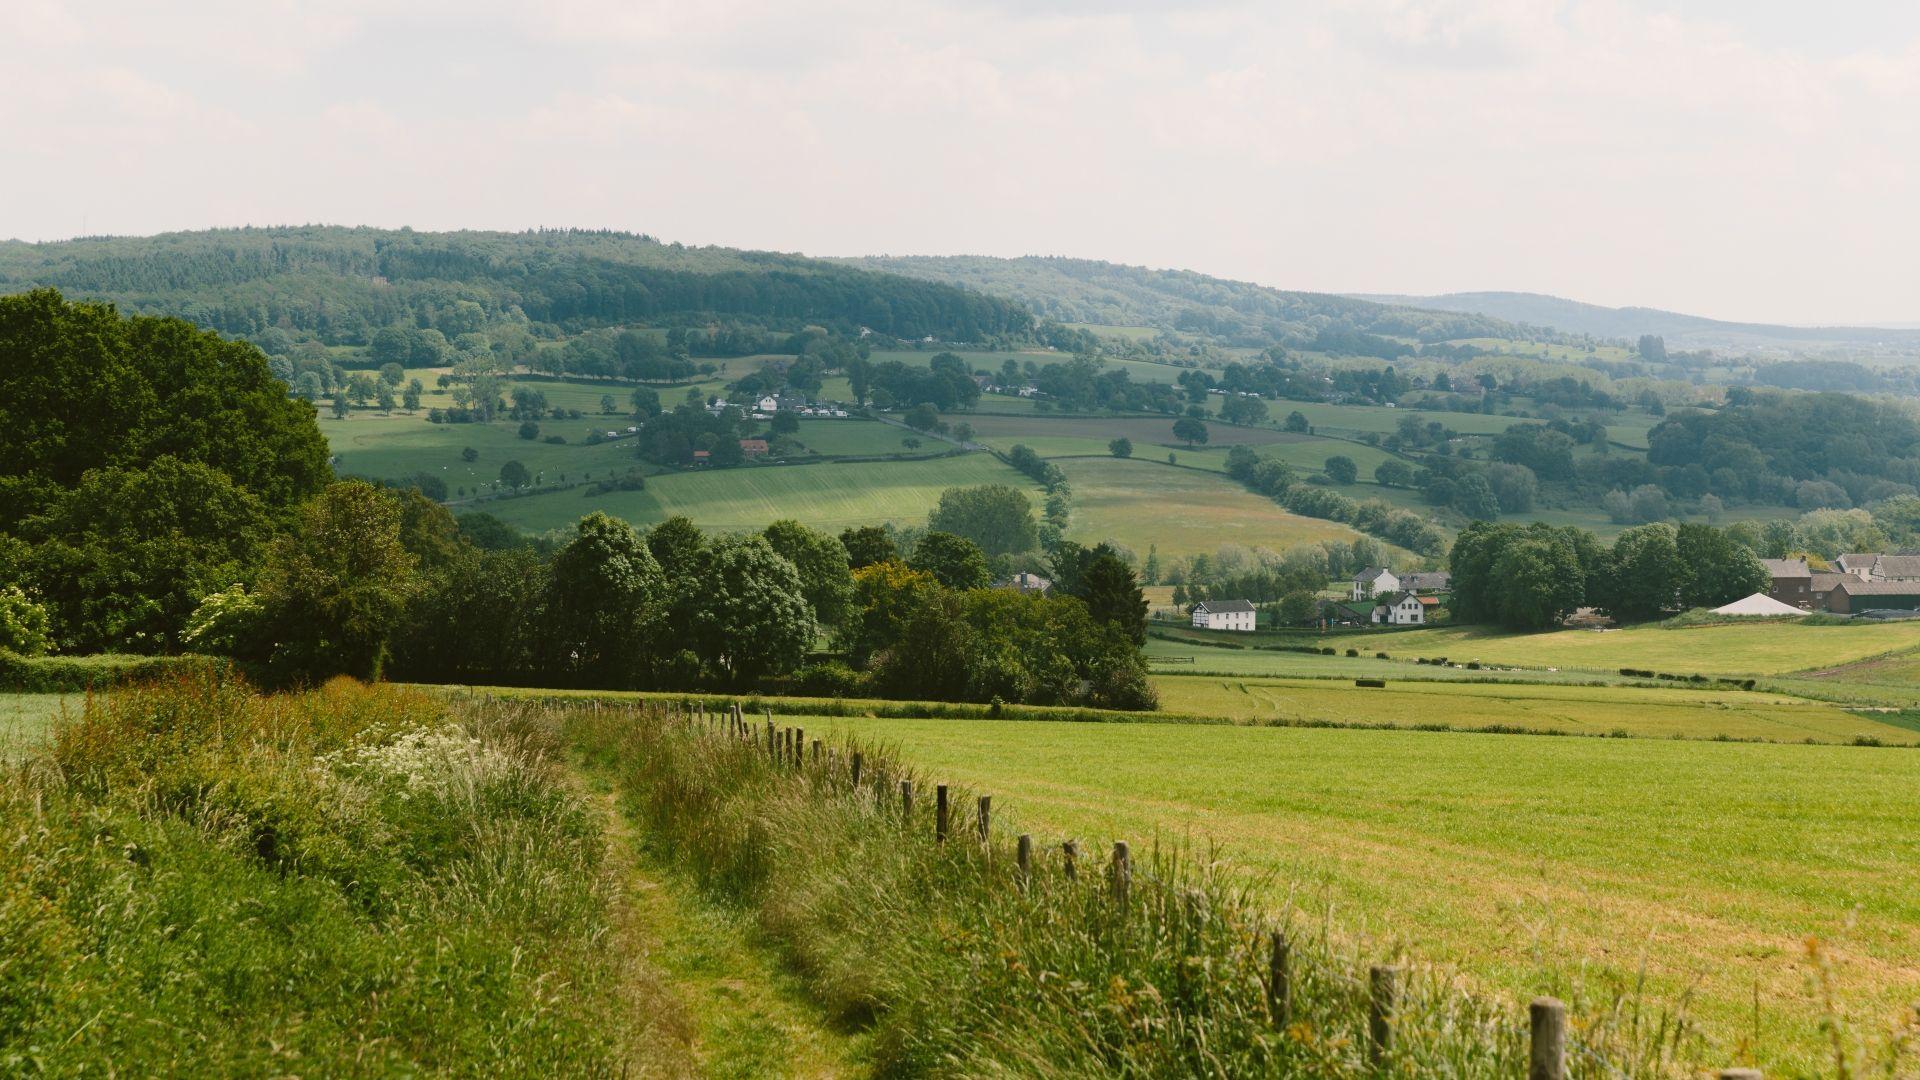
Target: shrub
830 679
1375 684
23 623
1353 652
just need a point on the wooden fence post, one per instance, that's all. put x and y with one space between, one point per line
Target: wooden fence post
856 770
1069 854
1122 872
1023 861
816 751
1280 981
986 811
1383 999
799 747
940 813
906 799
1547 1053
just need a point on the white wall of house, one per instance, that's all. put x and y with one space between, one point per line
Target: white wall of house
1223 620
1367 590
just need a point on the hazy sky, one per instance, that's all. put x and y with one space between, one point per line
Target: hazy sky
1752 159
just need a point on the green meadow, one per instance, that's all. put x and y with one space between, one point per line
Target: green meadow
1139 503
1687 875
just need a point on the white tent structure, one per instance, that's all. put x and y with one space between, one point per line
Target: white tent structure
1758 604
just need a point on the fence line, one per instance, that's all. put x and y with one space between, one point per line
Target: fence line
1547 1025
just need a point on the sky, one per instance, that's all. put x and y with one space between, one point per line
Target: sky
1743 159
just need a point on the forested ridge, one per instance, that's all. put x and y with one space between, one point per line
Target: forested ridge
1236 312
341 285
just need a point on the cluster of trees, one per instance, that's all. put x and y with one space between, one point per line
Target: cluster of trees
945 383
1375 517
1825 450
634 355
671 437
926 627
1059 506
1533 576
143 464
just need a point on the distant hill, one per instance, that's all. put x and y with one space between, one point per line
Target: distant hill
342 284
1238 312
1683 331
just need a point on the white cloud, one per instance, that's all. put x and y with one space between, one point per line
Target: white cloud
1597 148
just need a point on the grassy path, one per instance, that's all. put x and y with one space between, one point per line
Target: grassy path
704 986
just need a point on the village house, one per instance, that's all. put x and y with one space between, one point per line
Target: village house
1373 581
1223 615
1875 567
1792 582
1406 609
753 447
767 404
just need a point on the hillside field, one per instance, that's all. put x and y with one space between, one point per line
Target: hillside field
825 496
1534 864
1181 511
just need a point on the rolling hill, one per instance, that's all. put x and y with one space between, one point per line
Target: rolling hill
1628 323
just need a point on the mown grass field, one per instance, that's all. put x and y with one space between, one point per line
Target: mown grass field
1181 511
1534 864
1652 712
825 496
26 718
391 447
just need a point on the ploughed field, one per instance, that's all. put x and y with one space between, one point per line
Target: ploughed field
1533 864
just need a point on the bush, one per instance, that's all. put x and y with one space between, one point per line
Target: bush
1353 652
78 674
23 623
1373 684
829 679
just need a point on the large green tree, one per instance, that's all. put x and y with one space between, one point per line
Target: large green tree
336 588
603 598
825 578
1717 569
749 616
998 517
868 545
954 561
1644 574
82 388
1113 598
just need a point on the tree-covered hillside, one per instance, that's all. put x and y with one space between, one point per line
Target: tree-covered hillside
1236 312
342 285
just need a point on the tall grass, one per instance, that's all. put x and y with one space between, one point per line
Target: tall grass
963 969
198 880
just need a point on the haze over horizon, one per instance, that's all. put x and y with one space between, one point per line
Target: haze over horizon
1737 161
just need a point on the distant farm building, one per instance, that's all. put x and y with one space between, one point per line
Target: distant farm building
1223 615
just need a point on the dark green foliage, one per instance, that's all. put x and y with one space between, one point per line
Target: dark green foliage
1121 447
997 517
678 546
954 561
1114 598
826 579
602 599
867 545
79 674
747 617
1718 569
82 388
336 588
1190 430
1644 574
1342 470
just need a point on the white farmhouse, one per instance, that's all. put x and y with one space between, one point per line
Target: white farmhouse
1223 615
1373 581
1405 609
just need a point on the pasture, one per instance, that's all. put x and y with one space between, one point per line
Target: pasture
825 496
1532 864
1182 511
1762 648
392 447
1564 708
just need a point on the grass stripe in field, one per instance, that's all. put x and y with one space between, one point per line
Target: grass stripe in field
1535 864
